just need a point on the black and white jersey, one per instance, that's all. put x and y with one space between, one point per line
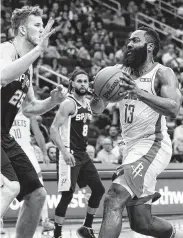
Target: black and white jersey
74 132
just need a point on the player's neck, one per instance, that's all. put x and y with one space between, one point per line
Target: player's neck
22 46
149 63
79 98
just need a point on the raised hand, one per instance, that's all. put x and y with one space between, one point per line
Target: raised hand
129 84
58 94
48 31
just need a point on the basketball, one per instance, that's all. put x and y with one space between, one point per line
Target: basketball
106 84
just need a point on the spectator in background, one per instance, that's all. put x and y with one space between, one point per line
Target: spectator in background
37 150
169 55
99 143
178 143
118 151
119 54
90 149
64 71
118 19
114 134
55 7
111 59
51 52
180 10
55 65
2 37
71 49
51 151
83 53
106 155
45 13
61 43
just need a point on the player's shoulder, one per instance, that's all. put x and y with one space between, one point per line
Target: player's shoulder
68 103
7 49
164 72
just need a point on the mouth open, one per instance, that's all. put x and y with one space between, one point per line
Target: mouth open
129 53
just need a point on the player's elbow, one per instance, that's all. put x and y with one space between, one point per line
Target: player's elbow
3 79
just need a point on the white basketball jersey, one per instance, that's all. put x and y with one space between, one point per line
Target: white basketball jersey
20 130
138 120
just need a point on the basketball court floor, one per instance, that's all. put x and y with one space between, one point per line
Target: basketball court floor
69 231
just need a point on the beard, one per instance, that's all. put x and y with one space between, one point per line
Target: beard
137 57
81 93
31 40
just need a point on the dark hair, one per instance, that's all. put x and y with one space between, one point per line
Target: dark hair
153 37
20 15
50 147
73 75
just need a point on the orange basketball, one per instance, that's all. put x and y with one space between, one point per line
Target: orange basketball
106 84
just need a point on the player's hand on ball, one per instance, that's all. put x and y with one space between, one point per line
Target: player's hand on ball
129 84
58 94
69 159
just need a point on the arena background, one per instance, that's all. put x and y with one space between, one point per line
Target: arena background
93 36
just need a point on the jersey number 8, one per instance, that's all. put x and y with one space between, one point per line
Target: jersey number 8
17 98
85 130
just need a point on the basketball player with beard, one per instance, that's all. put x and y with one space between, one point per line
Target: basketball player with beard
152 93
72 119
18 176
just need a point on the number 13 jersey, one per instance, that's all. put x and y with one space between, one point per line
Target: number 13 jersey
74 132
138 120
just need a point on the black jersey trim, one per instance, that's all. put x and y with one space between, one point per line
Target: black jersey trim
76 111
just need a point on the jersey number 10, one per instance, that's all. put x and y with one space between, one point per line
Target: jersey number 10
17 99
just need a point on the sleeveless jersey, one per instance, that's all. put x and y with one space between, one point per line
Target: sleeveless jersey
20 130
138 120
12 97
74 132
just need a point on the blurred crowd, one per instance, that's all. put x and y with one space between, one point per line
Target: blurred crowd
92 37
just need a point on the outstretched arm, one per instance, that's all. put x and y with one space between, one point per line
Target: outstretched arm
169 100
97 105
66 109
11 69
31 106
39 138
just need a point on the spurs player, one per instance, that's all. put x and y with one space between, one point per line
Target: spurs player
18 176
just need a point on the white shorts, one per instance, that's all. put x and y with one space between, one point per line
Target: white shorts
143 162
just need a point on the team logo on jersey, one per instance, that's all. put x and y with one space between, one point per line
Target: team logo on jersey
83 117
137 170
145 80
25 81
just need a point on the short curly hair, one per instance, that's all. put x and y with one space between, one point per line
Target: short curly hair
19 16
73 76
153 36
